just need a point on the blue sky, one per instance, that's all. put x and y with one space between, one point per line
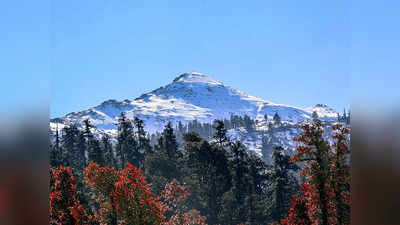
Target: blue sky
292 52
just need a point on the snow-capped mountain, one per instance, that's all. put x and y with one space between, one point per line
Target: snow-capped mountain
323 111
191 96
195 96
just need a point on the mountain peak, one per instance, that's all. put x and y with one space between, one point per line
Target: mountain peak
321 106
195 77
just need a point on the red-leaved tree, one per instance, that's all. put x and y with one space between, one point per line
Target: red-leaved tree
175 195
340 175
325 194
298 210
64 206
124 196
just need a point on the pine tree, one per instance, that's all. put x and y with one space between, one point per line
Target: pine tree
248 123
95 153
126 145
220 133
314 115
206 174
73 149
163 165
240 188
283 184
143 146
107 148
277 119
167 142
56 154
256 198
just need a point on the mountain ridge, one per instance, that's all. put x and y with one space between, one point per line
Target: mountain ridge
190 96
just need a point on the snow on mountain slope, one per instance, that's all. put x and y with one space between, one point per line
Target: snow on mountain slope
323 111
191 96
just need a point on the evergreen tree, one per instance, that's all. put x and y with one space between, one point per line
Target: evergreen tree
248 123
277 119
206 174
220 133
163 165
167 142
256 198
108 151
314 115
95 153
283 184
143 146
348 118
235 198
73 149
126 148
56 154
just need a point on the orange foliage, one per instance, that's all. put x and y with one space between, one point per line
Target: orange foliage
64 206
125 196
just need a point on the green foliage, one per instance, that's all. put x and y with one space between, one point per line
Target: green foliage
277 119
108 151
95 152
227 184
282 185
220 133
163 165
126 148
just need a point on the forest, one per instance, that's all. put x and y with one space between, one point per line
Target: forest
178 177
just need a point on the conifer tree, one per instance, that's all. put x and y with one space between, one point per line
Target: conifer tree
220 133
56 154
107 148
163 165
277 119
314 115
73 150
235 198
143 146
207 175
126 144
248 123
282 185
256 198
95 153
167 142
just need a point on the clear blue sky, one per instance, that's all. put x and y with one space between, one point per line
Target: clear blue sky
292 52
